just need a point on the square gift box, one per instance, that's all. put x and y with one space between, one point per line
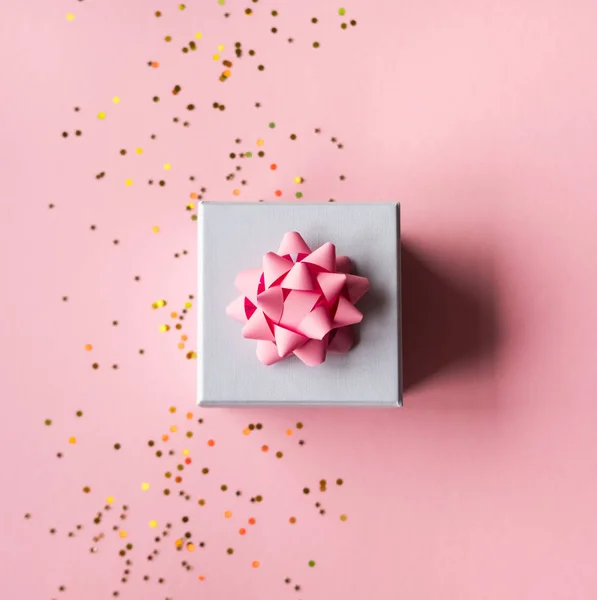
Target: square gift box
234 237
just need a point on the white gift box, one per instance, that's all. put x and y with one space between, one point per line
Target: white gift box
233 237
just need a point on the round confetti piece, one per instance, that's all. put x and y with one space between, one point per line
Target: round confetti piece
155 229
155 65
273 166
211 443
289 432
311 563
101 115
343 517
292 520
220 48
190 547
173 428
236 192
153 524
260 142
116 100
167 167
264 448
198 35
246 431
255 564
221 2
139 150
298 180
144 486
228 514
70 17
272 125
278 193
252 521
109 499
128 182
48 422
122 534
72 440
341 11
299 194
201 578
216 57
242 531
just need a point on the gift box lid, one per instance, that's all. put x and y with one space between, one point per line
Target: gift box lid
235 236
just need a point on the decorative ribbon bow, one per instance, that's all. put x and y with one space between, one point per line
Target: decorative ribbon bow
302 305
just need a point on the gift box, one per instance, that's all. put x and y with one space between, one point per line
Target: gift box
299 304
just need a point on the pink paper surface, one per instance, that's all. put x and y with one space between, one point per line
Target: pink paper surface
480 118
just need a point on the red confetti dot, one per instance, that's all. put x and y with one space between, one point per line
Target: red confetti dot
273 167
187 461
278 193
251 521
211 443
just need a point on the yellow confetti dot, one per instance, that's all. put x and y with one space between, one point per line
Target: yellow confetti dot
70 17
101 115
178 543
246 431
188 305
153 524
216 57
159 304
298 180
220 48
72 440
128 182
155 229
144 486
116 100
260 142
139 151
109 499
167 167
228 514
198 35
163 328
190 206
185 452
122 534
173 428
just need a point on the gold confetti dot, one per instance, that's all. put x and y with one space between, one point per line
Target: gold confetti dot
228 514
144 486
343 517
122 533
216 57
191 547
153 524
173 428
167 167
260 142
70 17
185 452
72 440
109 499
88 347
172 409
128 182
246 431
164 328
178 543
101 115
220 48
155 229
139 150
198 35
116 100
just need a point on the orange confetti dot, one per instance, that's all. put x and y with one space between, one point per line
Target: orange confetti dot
228 514
181 346
255 564
211 443
88 347
264 448
155 65
242 531
292 520
72 440
246 431
178 543
193 195
178 479
172 409
184 338
278 193
273 167
174 315
189 414
252 521
289 432
173 428
165 438
201 578
122 534
191 547
227 73
236 192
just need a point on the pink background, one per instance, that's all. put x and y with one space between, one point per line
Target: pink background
480 118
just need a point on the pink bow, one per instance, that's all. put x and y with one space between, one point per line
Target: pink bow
302 305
